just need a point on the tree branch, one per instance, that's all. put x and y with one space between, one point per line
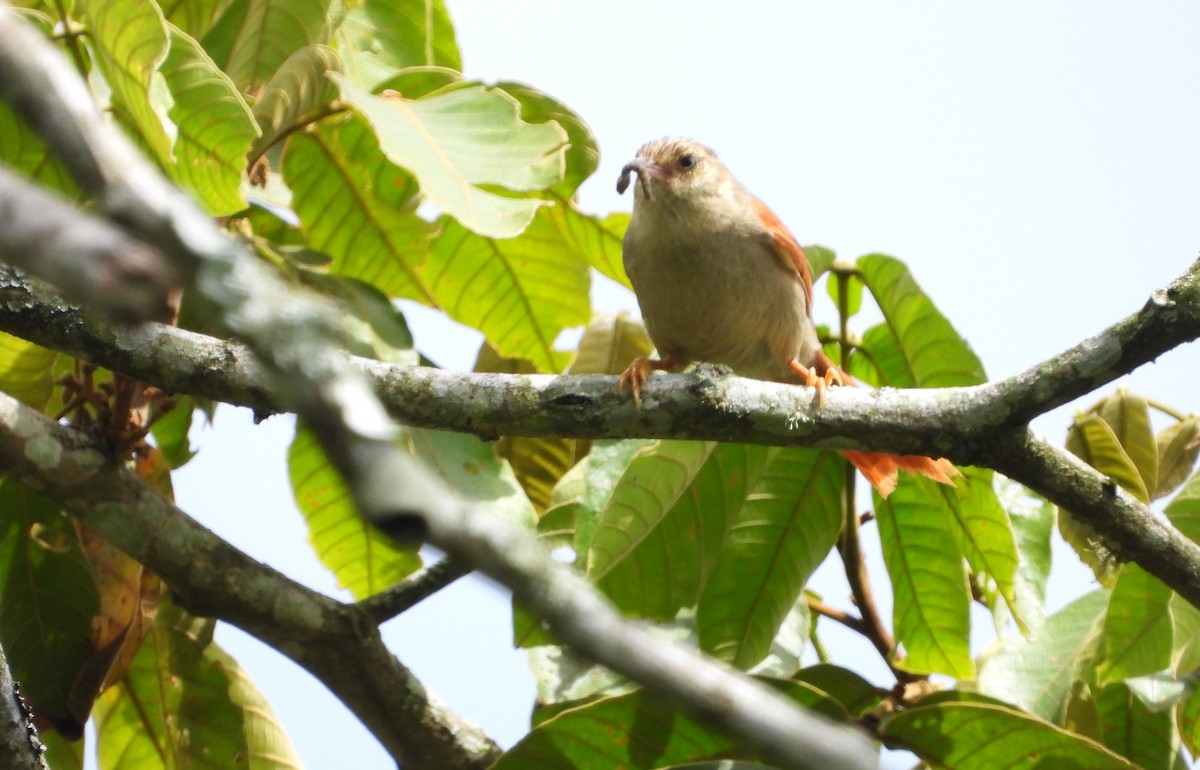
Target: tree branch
337 643
84 255
704 404
20 748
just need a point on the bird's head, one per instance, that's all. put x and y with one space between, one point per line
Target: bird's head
674 169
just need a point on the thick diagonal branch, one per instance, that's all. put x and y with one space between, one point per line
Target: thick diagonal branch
337 643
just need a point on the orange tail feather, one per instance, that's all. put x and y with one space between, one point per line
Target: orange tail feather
883 469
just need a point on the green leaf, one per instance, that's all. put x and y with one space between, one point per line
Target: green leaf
47 601
1178 447
185 703
171 432
930 353
363 559
62 754
665 524
1185 652
820 259
1131 729
635 731
856 695
252 38
458 141
297 94
986 736
1184 509
215 128
1036 673
854 292
130 41
1032 521
380 37
1138 629
373 326
358 208
582 154
194 17
520 292
26 371
1129 417
1093 440
932 596
1189 721
588 492
784 530
593 240
986 534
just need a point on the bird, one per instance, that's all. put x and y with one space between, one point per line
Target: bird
721 279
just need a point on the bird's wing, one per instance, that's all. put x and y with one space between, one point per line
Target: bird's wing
787 248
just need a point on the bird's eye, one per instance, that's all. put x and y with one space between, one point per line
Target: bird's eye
687 162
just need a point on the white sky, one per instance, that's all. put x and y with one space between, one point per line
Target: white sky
1037 165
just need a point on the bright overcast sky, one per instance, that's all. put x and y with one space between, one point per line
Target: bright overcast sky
1037 165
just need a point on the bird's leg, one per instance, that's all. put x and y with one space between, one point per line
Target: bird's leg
636 373
809 376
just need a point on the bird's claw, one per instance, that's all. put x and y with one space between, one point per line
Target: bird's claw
810 378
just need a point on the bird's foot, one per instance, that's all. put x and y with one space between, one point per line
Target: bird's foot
635 375
808 375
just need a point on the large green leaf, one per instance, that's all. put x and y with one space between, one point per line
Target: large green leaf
926 351
788 524
459 141
363 560
986 534
47 601
1148 738
215 128
184 703
253 38
929 584
1138 628
380 37
130 41
520 292
297 94
26 370
1036 673
358 208
667 520
988 736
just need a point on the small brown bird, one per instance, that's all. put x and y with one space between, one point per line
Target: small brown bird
721 279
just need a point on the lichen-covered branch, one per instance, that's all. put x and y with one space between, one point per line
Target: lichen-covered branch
339 644
20 748
705 404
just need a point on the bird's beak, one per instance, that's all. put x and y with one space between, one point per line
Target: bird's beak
645 169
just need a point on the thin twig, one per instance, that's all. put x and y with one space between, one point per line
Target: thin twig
414 589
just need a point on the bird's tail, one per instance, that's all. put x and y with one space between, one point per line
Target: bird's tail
880 468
